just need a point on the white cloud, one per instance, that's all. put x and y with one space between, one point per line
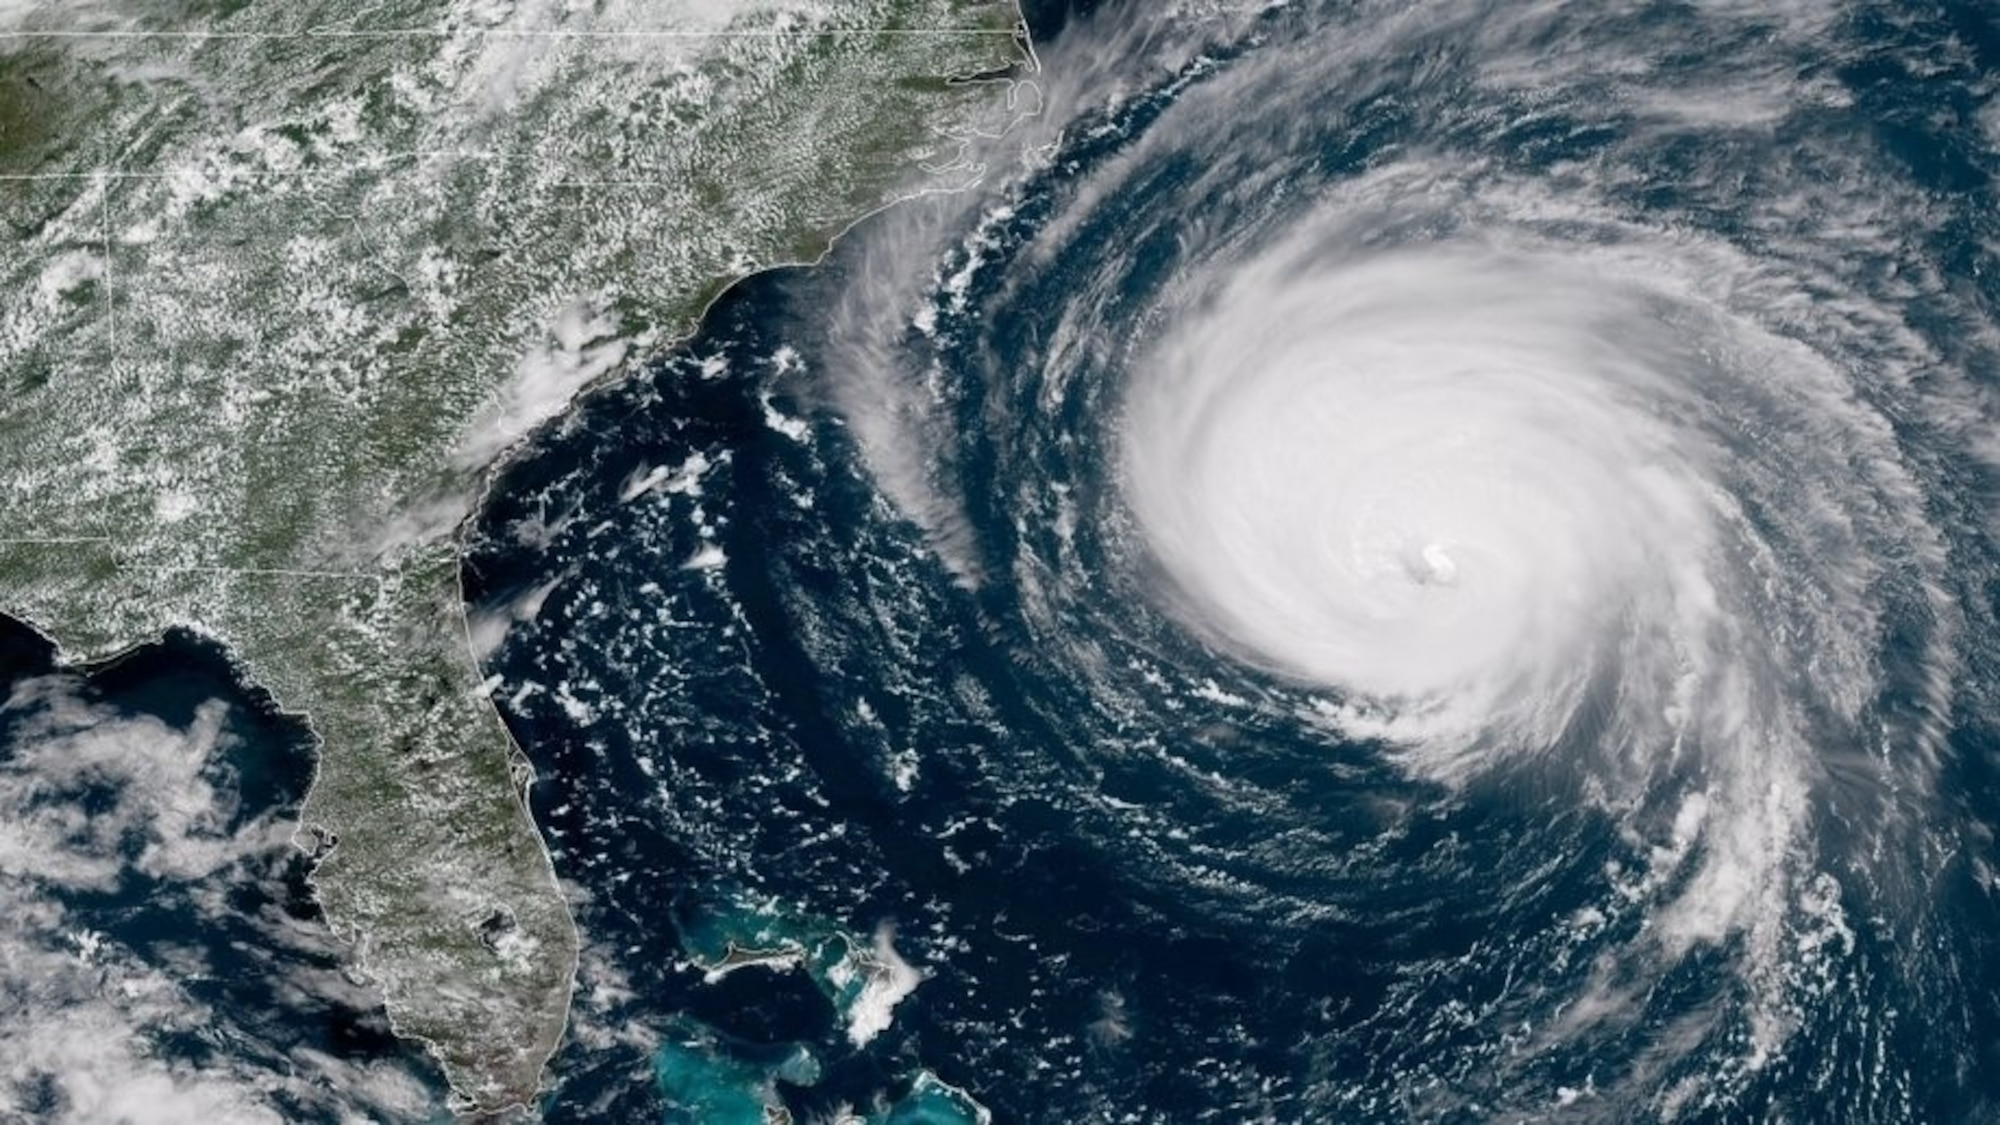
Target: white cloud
121 840
888 979
582 345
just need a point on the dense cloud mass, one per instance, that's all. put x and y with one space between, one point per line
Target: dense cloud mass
1388 563
1555 392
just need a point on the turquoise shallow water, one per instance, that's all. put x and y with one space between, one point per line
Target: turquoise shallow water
841 641
913 755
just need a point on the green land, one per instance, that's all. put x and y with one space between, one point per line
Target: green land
286 280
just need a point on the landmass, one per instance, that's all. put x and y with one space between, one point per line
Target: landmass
289 279
863 979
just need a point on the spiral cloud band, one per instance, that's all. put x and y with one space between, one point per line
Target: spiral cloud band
1387 562
1335 449
1428 478
1488 490
1509 496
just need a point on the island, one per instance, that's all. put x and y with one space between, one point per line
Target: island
287 280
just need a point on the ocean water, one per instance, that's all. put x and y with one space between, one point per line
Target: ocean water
1387 564
164 957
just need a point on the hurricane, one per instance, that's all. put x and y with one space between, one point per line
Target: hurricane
1385 562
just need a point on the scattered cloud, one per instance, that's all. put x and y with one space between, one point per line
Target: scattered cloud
149 968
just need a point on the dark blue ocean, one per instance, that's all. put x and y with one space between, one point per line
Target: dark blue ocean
963 749
896 772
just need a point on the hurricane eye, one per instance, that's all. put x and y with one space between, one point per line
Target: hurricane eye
1379 562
